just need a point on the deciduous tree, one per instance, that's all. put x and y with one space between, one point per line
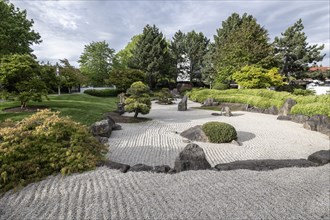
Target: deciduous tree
96 62
16 33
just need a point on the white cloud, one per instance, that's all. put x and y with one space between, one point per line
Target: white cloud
66 26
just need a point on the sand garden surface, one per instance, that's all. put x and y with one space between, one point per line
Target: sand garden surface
289 193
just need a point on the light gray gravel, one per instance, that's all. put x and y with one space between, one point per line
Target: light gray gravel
290 193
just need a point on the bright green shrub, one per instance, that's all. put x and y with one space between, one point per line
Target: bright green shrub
102 92
257 77
45 144
139 100
219 132
164 96
303 92
220 86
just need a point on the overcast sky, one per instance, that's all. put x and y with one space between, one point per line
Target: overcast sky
66 26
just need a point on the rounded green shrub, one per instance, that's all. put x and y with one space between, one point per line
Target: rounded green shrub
219 132
102 92
45 144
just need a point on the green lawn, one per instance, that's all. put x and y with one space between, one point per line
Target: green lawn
83 108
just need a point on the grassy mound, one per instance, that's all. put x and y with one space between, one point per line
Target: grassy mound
45 144
263 98
219 132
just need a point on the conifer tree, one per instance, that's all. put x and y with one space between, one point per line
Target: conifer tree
293 51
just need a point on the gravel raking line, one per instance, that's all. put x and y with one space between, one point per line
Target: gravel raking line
290 193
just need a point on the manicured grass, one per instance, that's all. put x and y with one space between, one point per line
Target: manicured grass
82 108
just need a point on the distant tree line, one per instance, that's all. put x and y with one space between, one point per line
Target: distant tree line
241 46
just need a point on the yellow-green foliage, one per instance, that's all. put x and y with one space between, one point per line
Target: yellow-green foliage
139 100
263 98
164 96
45 144
256 77
219 132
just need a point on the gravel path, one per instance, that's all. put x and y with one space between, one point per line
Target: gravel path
290 193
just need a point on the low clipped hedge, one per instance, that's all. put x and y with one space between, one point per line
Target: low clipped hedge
219 132
263 98
102 92
45 144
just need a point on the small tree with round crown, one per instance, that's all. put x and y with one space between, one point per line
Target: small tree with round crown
139 100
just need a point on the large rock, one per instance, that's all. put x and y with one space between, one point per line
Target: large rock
226 111
264 164
112 123
300 118
286 108
271 110
140 168
284 117
320 157
324 129
210 102
191 158
161 169
118 166
182 106
195 134
101 128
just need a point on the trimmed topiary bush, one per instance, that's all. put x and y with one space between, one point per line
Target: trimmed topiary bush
164 96
219 132
45 144
102 92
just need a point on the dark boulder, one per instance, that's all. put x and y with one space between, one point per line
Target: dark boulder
117 166
262 165
284 117
112 123
101 128
216 114
286 108
300 118
140 168
271 110
182 106
191 158
320 157
161 169
195 134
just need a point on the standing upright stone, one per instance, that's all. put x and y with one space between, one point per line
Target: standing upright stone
191 158
226 111
286 108
182 106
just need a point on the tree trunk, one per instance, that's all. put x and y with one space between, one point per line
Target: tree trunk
136 113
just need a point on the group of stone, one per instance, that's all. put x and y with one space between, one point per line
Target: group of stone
102 130
193 158
320 123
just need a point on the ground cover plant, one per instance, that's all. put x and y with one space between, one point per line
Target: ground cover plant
263 98
44 144
82 108
219 132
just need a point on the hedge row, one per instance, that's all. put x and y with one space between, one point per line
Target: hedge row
263 98
102 92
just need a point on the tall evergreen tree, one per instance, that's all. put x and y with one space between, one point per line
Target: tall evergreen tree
96 62
151 55
197 45
241 41
189 49
293 51
16 33
208 69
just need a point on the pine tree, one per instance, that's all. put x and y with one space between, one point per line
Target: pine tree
151 55
293 51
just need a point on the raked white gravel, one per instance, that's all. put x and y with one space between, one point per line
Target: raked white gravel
290 193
